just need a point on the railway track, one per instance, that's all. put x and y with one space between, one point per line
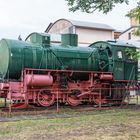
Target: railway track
63 112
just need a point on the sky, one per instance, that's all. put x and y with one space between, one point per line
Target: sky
22 17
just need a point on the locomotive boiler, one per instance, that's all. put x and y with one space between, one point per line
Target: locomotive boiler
37 72
18 55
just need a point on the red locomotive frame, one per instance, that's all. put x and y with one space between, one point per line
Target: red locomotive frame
44 87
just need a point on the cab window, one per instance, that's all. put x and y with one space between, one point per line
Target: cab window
130 57
119 54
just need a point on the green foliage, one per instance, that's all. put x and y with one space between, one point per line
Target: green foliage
135 13
136 32
89 6
134 54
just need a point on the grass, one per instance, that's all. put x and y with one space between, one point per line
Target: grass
109 125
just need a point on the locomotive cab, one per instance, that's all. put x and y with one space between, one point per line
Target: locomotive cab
121 64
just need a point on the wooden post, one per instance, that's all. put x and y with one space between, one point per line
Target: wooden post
57 103
100 100
10 106
137 98
5 102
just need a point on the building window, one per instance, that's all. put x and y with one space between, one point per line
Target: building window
129 36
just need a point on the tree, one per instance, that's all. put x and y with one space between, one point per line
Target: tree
89 6
135 54
135 13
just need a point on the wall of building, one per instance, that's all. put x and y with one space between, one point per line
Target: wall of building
117 34
128 35
87 36
134 21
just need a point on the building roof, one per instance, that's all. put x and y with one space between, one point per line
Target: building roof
83 24
129 29
118 31
91 25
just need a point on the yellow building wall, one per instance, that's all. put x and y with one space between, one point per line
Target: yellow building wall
88 36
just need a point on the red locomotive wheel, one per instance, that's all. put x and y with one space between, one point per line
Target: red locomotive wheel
45 98
73 101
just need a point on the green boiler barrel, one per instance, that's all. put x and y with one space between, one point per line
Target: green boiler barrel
16 55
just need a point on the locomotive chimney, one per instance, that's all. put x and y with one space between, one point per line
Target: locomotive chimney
69 40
